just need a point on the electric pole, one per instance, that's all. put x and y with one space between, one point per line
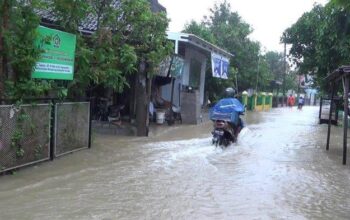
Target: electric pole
284 73
257 76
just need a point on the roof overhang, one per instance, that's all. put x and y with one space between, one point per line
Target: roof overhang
338 74
197 42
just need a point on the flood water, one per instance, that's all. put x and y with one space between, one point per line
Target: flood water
279 169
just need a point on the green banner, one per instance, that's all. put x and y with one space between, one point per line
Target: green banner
57 59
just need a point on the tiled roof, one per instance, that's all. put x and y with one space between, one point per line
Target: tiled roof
90 23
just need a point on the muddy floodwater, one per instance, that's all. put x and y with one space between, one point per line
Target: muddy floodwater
279 169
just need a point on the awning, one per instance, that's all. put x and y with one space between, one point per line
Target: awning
220 58
197 42
337 74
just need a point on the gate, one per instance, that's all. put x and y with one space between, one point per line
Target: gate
33 133
72 127
24 135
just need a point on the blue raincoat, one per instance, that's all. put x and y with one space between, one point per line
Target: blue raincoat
227 109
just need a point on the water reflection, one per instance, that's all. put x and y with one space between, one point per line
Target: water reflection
279 169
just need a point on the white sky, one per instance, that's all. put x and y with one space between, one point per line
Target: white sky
268 18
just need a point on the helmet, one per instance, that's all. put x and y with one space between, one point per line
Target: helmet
230 92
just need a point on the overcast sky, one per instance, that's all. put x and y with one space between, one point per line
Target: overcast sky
268 18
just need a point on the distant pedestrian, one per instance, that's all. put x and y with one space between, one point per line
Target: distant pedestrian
301 102
291 100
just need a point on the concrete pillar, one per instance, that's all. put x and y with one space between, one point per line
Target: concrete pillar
263 100
245 98
270 95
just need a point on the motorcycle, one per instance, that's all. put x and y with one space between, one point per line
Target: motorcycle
226 121
225 133
107 112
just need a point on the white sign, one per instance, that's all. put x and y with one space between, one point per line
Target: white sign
53 68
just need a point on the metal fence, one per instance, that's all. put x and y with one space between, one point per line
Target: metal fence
72 127
32 133
24 135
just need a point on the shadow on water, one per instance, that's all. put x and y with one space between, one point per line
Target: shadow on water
279 169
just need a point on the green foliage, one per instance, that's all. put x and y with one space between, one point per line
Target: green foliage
18 135
124 37
38 150
24 124
70 13
200 30
342 3
265 74
26 87
231 33
275 62
320 41
146 32
248 66
19 23
292 81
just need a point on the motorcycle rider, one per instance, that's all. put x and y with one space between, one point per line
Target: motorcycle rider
228 110
231 93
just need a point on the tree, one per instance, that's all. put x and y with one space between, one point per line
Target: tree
130 39
18 53
320 41
128 36
342 3
148 35
200 29
227 29
275 62
231 33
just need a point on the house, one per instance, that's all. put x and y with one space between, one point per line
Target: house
184 85
187 91
87 27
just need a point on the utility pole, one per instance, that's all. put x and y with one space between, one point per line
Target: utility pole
237 82
3 27
298 87
257 76
284 73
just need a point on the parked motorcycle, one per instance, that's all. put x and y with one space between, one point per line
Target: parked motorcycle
227 122
106 112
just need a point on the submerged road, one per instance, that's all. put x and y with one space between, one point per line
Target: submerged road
279 169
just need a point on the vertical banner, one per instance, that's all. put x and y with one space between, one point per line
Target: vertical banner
216 65
220 66
225 65
57 59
